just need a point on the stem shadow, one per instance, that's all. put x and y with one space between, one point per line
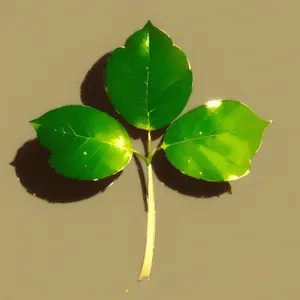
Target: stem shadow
183 184
39 179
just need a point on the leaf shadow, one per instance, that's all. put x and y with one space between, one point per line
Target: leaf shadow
183 184
39 179
92 93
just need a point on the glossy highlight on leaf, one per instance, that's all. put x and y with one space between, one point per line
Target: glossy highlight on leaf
215 141
149 80
85 143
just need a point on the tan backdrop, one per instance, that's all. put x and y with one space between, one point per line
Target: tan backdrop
239 246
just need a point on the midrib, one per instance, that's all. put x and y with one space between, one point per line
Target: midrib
147 82
194 139
94 139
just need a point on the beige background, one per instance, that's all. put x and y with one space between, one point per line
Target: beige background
242 246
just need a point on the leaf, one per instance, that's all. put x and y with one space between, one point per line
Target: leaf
215 141
149 80
85 143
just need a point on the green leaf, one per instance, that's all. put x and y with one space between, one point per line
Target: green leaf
215 141
149 80
85 143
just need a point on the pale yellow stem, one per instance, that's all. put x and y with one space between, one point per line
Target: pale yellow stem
150 238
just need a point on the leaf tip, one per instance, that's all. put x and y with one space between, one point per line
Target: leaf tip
149 24
35 125
267 123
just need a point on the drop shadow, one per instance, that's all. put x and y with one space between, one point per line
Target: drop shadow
92 93
183 184
39 179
